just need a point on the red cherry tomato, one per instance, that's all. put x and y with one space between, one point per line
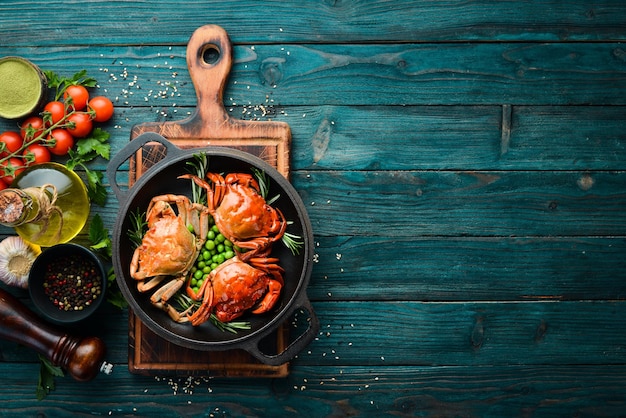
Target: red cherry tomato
79 95
63 141
34 122
82 124
56 110
17 165
103 108
13 141
3 184
40 154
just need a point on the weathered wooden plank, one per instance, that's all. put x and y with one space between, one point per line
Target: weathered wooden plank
370 74
411 333
461 268
328 391
449 203
44 23
481 333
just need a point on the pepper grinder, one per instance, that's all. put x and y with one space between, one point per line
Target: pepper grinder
81 357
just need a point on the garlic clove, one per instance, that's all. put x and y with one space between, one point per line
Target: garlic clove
16 259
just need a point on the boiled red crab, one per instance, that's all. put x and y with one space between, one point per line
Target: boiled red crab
236 286
169 249
240 212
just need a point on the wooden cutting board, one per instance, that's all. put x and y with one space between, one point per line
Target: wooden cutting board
209 59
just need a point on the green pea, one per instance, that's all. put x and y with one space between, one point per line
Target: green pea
206 269
220 238
195 289
193 269
214 258
228 243
194 282
214 265
200 282
211 235
198 274
220 248
206 254
229 254
215 229
220 258
190 228
209 245
201 264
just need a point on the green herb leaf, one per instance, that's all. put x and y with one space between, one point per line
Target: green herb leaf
95 189
47 373
96 145
113 293
99 236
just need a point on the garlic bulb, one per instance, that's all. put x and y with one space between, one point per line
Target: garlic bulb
16 259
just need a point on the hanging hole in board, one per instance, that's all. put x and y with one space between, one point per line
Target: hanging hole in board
210 54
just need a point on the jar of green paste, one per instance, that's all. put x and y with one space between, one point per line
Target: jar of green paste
23 87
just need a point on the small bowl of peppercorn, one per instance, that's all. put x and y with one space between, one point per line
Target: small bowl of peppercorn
67 283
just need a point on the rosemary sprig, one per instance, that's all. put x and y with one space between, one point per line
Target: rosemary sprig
232 326
137 230
293 242
199 168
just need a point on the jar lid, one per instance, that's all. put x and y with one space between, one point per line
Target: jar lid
23 87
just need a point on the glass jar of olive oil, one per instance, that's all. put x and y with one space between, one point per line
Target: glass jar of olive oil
47 204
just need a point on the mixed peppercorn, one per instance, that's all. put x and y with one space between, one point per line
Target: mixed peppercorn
72 283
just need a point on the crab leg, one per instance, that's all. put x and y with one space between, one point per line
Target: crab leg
165 292
204 311
180 317
146 285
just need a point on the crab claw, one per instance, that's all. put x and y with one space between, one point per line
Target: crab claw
270 298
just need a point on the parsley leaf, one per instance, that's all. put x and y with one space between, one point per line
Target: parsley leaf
47 373
99 236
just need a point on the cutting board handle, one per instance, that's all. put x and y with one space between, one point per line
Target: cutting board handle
131 149
209 60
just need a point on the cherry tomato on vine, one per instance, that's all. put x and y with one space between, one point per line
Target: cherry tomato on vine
63 141
56 110
82 124
40 154
103 108
12 142
36 123
79 95
18 166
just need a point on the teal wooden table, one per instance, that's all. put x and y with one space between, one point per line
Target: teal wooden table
463 167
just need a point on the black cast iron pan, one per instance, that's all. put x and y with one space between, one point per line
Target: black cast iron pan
162 179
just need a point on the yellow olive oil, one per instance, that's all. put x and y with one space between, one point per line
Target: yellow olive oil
71 200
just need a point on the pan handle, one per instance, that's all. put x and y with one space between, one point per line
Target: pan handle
131 148
297 345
